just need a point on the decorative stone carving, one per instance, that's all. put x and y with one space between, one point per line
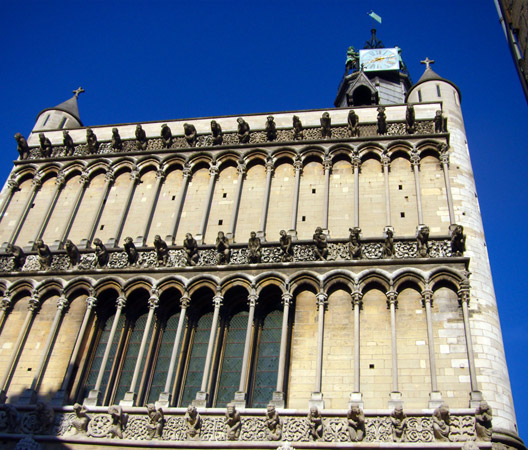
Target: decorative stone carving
223 251
156 422
399 424
441 422
422 241
320 244
273 423
190 134
458 240
326 126
44 254
44 415
73 253
191 250
45 146
440 122
67 141
101 253
286 246
254 249
355 423
141 138
81 420
483 418
22 146
315 422
216 131
298 132
27 443
353 123
410 120
233 423
382 121
9 418
354 243
19 257
388 243
91 141
244 132
166 136
193 422
131 251
162 251
271 129
117 143
119 421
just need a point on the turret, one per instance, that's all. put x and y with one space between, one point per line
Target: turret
63 116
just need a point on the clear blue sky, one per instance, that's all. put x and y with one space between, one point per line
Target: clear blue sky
143 61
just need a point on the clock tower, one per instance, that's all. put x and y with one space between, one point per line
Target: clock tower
376 75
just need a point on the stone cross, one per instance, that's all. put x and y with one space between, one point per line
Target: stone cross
78 91
427 62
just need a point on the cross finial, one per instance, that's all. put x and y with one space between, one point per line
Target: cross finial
427 62
78 91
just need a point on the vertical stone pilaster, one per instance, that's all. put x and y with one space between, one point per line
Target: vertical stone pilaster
12 186
297 166
153 202
278 396
241 170
59 185
327 165
395 395
179 204
213 173
134 179
356 397
356 164
36 184
265 204
109 180
317 395
385 161
415 162
435 396
84 180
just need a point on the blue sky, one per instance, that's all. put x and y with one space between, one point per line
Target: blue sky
143 61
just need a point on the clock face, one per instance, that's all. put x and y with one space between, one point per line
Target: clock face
379 59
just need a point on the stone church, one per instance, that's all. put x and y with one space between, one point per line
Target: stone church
301 279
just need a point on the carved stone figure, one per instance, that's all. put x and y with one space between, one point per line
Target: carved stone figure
91 141
321 244
44 415
119 420
73 253
19 257
353 123
166 136
162 250
298 132
12 417
354 243
271 129
410 120
216 131
156 422
254 249
191 250
458 240
440 122
441 421
131 251
233 423
141 138
326 126
193 422
388 244
273 423
315 422
101 253
243 131
45 146
67 141
382 120
356 423
422 239
117 143
286 246
22 146
399 424
80 423
44 254
189 131
483 418
222 249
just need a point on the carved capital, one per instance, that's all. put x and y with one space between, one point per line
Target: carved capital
427 297
415 159
62 303
84 179
109 176
91 302
34 302
298 165
392 299
134 175
60 180
385 160
12 184
187 171
327 164
269 166
153 302
121 302
252 300
356 299
241 169
213 171
463 296
287 299
217 300
36 183
356 161
5 302
444 158
185 301
160 174
322 300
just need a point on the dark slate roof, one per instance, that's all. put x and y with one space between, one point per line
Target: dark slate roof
69 106
431 75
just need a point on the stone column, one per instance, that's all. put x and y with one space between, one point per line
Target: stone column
385 161
203 395
356 397
265 204
241 170
59 185
356 164
94 397
60 397
444 158
241 395
30 395
33 307
279 399
213 173
395 396
5 305
317 395
166 396
131 396
475 395
84 180
327 165
152 201
179 204
435 396
36 184
109 180
134 179
12 186
297 166
415 162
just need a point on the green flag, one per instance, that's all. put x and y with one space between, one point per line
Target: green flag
375 16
